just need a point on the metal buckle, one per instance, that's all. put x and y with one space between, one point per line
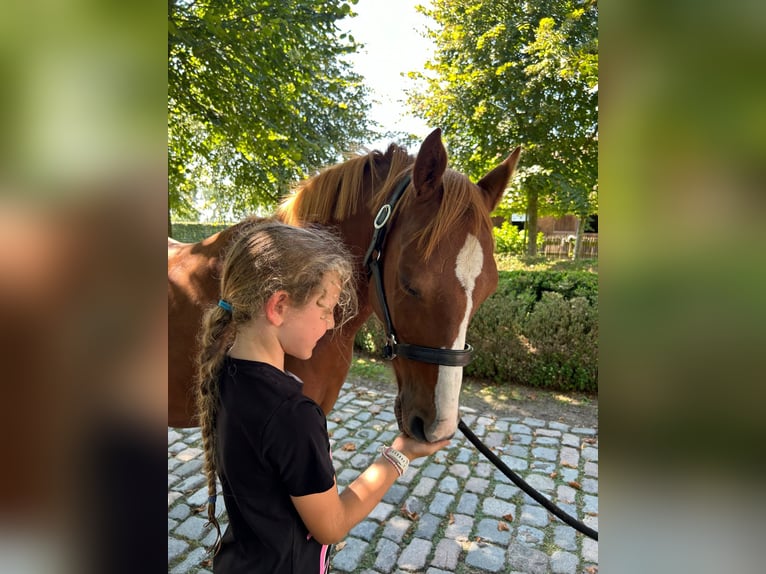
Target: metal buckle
385 214
388 350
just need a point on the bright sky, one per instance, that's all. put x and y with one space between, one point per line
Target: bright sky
391 31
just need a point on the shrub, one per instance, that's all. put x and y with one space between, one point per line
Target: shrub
509 240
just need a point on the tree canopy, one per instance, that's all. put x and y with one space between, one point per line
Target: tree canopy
259 95
509 73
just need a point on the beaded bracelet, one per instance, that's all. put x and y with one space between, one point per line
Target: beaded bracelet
396 458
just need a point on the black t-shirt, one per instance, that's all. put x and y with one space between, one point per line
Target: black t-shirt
272 444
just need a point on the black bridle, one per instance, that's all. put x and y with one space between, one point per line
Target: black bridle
373 264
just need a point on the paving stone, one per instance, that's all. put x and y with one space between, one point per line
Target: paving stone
591 469
381 511
414 556
494 439
179 512
428 524
506 491
563 562
477 485
534 515
590 504
483 469
570 440
489 529
529 536
590 485
347 559
585 431
522 439
534 422
520 429
590 453
459 470
441 503
467 503
396 528
364 530
546 441
548 433
518 451
526 559
173 436
545 453
566 494
446 554
564 537
497 507
190 563
540 482
395 494
570 457
568 474
460 527
589 550
559 426
487 557
433 470
191 528
388 553
449 485
176 548
514 463
425 486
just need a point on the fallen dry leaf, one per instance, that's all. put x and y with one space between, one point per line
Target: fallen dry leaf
451 518
591 570
575 484
554 474
349 446
508 517
409 514
340 545
502 526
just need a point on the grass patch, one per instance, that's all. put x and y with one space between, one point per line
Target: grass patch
371 368
539 263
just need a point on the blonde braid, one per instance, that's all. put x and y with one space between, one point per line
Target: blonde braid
216 336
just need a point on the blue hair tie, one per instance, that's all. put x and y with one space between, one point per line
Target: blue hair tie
225 305
211 499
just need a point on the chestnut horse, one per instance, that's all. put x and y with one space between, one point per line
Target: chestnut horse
428 224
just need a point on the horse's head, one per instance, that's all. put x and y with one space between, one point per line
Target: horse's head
437 267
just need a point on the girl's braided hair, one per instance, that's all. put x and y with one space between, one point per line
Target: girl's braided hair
266 256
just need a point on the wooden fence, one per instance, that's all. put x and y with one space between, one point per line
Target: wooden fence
561 245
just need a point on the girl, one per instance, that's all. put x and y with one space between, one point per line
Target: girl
282 288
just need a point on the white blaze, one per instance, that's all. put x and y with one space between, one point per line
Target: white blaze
468 265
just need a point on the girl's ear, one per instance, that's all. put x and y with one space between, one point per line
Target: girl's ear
276 306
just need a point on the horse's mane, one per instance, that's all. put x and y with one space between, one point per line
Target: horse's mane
335 194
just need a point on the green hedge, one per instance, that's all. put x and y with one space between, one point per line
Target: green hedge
539 329
191 232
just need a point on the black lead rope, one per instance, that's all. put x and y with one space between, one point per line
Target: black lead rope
518 481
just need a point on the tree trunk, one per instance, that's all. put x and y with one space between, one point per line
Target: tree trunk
170 225
578 238
532 222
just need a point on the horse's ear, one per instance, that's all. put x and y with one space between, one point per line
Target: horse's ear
493 184
430 164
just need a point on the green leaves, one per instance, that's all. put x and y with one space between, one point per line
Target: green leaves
258 96
510 73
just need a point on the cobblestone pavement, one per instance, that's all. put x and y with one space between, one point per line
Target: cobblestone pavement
452 513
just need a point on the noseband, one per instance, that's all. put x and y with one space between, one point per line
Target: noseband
374 265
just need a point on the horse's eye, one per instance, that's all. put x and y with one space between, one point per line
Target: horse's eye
408 288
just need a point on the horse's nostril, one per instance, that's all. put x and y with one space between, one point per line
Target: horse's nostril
418 429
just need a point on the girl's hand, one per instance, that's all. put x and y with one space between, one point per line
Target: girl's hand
413 449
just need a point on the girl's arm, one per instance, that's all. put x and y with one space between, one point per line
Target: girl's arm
329 515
